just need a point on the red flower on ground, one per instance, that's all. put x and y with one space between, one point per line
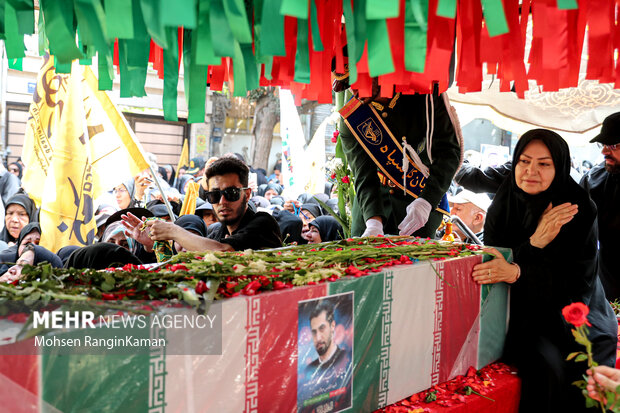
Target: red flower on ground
576 314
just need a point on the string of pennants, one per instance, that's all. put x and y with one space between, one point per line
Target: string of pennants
408 44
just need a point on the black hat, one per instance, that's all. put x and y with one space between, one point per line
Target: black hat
610 132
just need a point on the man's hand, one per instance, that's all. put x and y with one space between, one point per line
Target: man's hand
374 227
134 230
551 223
417 215
161 230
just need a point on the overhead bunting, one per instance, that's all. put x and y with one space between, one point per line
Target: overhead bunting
408 44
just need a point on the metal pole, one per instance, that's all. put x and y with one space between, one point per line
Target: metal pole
465 229
161 191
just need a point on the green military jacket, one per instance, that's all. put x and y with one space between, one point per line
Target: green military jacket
405 115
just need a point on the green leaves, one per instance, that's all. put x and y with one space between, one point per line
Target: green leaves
108 284
581 357
431 396
32 298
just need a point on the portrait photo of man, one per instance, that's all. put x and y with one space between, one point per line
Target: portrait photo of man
325 363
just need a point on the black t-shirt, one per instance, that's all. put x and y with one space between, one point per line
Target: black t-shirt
257 230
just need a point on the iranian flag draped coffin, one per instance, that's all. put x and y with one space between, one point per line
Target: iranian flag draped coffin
381 338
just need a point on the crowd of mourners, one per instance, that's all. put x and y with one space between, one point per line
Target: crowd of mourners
133 217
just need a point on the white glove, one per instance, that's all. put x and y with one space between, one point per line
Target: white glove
374 227
417 215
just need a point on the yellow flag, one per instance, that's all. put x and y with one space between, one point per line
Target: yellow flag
77 145
184 159
59 176
189 203
117 153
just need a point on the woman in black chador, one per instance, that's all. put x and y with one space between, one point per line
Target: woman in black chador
548 221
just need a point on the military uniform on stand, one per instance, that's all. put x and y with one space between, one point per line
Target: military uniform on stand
378 195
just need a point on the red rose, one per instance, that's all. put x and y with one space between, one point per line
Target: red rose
334 139
178 267
278 285
576 314
201 287
345 179
333 176
335 134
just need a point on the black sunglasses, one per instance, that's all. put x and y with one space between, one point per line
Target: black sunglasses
231 194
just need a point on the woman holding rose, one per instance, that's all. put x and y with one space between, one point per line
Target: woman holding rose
548 221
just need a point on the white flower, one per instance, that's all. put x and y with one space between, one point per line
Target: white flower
258 266
334 163
334 117
238 268
212 259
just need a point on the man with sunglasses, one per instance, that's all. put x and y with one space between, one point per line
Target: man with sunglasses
228 192
603 184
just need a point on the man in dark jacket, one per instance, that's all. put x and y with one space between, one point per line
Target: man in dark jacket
603 185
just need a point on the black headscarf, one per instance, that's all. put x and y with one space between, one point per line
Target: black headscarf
173 175
333 204
100 256
260 191
277 200
328 188
19 168
25 202
260 201
290 226
159 210
65 252
275 187
162 171
130 185
182 181
552 277
9 256
192 223
27 230
314 209
306 198
329 228
515 212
